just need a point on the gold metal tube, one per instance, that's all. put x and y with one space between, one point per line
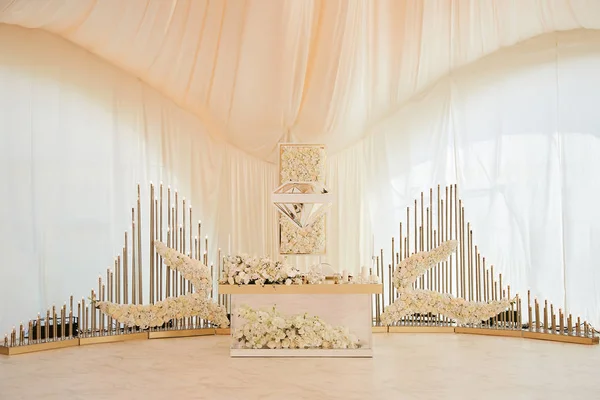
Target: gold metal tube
569 325
63 316
30 332
134 297
529 310
47 326
416 223
139 249
38 327
561 322
552 319
578 327
151 239
537 315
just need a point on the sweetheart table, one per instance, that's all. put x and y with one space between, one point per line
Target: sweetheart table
345 305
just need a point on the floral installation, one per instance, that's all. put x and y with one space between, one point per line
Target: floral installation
302 164
161 312
308 240
193 270
269 329
417 301
246 270
189 305
413 301
409 269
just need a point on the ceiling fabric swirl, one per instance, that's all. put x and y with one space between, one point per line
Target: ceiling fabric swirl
260 72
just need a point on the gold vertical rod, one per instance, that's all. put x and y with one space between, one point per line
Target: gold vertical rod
157 272
422 228
125 273
160 232
529 311
545 326
569 325
537 315
561 322
118 279
449 235
462 251
139 248
133 259
151 243
416 223
510 311
477 274
552 319
469 261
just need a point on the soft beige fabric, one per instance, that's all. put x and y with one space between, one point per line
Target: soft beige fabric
325 71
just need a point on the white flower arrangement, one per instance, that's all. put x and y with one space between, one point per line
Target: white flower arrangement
193 270
307 240
409 269
413 301
302 164
161 312
246 270
417 301
269 329
189 305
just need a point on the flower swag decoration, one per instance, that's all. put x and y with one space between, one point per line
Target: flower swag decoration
246 270
189 305
269 329
413 301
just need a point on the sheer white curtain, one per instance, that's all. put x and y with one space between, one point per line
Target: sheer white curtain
76 135
519 133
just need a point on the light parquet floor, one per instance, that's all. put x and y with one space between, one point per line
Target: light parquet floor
405 366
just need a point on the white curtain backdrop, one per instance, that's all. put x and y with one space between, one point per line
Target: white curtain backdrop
203 91
76 135
519 132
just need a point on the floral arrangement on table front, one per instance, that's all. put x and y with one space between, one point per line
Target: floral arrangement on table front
195 304
307 240
269 329
413 301
246 270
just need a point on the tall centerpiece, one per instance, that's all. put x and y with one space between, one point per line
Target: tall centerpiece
277 310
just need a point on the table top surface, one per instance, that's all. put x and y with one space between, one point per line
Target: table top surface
302 289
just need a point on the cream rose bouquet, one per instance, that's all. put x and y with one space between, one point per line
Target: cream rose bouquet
269 329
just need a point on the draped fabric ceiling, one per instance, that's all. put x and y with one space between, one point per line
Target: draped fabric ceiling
258 72
494 95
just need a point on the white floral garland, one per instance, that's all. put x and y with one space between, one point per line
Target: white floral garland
409 269
161 312
269 329
193 270
246 270
412 301
189 305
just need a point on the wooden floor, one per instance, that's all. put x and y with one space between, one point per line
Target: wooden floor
405 366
